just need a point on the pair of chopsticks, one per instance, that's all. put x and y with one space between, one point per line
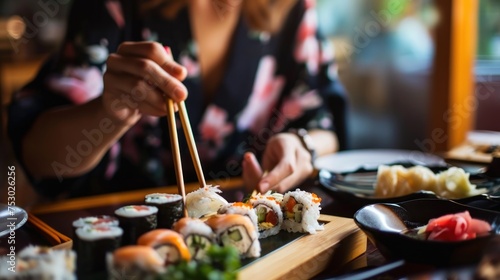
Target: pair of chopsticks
174 140
54 237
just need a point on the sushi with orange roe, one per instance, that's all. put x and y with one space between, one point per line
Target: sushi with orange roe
269 215
240 208
197 235
237 231
134 262
301 212
168 243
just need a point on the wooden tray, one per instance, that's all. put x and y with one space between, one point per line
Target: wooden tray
340 242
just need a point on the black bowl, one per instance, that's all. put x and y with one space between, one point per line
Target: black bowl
385 225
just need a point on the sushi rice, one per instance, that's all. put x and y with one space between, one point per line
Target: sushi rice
301 212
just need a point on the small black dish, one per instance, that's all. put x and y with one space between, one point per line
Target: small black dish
385 224
357 188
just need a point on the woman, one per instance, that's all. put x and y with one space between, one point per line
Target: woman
248 71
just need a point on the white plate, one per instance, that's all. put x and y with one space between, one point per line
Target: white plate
11 218
352 160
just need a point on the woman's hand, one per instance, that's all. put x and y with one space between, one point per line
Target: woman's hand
138 78
288 162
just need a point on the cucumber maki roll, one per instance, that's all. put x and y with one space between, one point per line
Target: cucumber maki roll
136 220
170 208
301 212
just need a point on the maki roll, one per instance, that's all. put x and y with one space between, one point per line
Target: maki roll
134 262
240 208
35 262
237 231
301 212
168 244
100 220
92 245
197 235
170 208
136 220
204 202
269 215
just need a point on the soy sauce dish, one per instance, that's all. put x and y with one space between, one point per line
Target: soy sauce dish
391 227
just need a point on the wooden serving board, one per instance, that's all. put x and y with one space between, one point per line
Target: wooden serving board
309 254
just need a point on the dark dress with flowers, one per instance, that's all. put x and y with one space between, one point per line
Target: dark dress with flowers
272 82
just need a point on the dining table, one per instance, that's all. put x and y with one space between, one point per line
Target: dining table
367 263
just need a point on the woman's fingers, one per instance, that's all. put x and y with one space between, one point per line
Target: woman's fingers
149 72
132 92
252 172
288 163
155 52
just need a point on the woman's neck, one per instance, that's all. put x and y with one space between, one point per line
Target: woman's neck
212 24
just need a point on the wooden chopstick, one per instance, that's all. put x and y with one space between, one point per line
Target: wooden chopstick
174 141
45 230
186 126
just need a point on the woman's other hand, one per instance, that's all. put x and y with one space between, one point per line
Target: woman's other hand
287 161
138 78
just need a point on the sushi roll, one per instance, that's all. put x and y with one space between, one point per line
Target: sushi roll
134 262
269 215
92 245
237 231
35 262
240 208
170 208
197 235
136 220
100 220
168 244
301 212
204 202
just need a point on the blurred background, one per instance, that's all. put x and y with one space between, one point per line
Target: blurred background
385 57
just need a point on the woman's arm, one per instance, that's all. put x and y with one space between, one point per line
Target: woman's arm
70 141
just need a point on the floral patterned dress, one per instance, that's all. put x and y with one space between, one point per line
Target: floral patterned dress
271 83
